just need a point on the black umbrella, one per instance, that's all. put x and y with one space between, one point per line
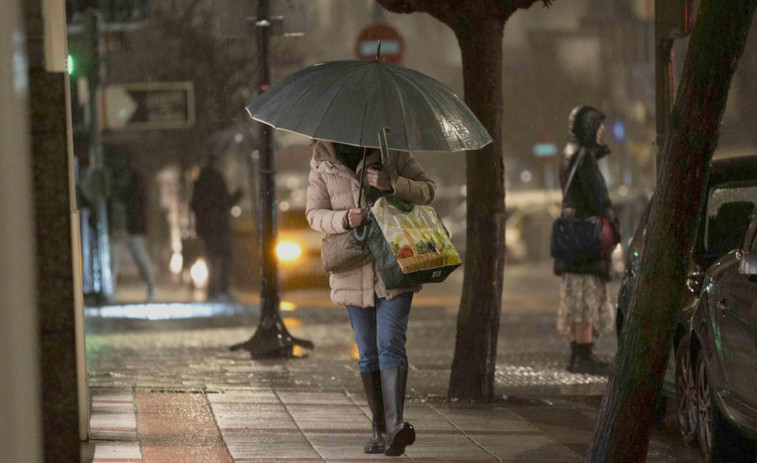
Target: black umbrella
351 102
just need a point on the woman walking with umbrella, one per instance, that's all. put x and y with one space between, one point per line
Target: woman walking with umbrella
378 316
349 103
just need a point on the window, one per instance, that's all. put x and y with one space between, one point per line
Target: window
729 208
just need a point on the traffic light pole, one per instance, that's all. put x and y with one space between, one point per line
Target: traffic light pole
272 338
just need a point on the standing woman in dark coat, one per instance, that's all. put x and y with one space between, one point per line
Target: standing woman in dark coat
585 307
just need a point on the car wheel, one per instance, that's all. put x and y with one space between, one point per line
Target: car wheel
719 440
686 393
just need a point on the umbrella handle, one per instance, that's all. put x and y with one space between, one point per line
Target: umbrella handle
362 178
361 233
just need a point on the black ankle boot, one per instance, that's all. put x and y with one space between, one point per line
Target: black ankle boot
573 356
399 434
374 396
588 363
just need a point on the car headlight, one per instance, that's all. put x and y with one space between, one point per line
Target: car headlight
288 250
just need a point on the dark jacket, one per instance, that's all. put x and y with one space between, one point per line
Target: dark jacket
135 202
212 203
587 195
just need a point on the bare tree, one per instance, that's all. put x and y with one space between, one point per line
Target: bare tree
627 412
479 27
223 70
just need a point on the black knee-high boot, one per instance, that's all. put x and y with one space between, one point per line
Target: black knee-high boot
374 396
399 433
573 356
588 363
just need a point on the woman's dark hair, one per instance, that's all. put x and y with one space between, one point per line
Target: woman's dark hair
348 154
584 124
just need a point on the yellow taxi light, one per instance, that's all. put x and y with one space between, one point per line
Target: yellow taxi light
288 251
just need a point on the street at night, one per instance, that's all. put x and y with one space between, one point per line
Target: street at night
342 231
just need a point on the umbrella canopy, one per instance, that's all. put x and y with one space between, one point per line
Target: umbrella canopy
352 101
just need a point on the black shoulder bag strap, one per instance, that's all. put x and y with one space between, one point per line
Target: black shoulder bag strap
572 174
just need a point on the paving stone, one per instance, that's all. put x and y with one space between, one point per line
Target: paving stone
120 452
269 445
112 416
526 448
446 447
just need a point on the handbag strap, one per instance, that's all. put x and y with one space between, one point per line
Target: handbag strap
572 174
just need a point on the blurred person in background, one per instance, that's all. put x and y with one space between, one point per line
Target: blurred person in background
211 203
585 308
130 202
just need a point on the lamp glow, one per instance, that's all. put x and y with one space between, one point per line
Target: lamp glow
288 251
199 273
177 263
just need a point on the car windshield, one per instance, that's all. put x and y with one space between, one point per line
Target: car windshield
728 211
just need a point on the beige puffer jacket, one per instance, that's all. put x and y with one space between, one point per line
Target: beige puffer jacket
333 189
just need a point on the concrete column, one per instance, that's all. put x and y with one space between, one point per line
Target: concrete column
21 437
50 142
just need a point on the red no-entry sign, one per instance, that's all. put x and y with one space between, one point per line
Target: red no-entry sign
391 43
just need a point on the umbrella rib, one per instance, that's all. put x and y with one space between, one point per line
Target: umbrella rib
423 94
307 91
461 142
402 105
365 111
341 81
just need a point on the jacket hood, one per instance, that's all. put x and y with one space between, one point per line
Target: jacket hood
583 125
324 151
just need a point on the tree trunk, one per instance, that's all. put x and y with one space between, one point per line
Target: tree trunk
627 412
478 319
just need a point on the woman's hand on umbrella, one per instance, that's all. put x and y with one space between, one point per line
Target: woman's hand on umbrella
378 179
356 216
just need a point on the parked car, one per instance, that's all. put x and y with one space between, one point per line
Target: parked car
298 250
730 182
721 347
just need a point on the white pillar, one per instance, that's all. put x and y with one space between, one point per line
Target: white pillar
20 438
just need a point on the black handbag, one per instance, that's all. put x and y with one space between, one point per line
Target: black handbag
576 240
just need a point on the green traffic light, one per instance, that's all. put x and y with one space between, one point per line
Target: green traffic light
70 65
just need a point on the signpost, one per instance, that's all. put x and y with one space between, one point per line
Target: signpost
391 43
149 106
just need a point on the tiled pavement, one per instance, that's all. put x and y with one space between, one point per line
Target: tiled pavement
268 425
172 392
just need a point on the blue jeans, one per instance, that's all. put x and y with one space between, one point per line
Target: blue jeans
380 332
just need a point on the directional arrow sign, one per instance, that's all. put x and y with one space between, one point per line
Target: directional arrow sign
146 106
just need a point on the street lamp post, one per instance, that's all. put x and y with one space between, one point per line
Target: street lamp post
272 338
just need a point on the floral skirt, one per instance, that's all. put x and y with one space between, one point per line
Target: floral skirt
584 299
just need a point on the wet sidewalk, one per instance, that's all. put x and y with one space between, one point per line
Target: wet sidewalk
170 390
274 425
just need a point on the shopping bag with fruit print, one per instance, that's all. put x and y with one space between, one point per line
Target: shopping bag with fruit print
408 241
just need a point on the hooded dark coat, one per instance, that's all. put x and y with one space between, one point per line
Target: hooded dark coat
587 195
